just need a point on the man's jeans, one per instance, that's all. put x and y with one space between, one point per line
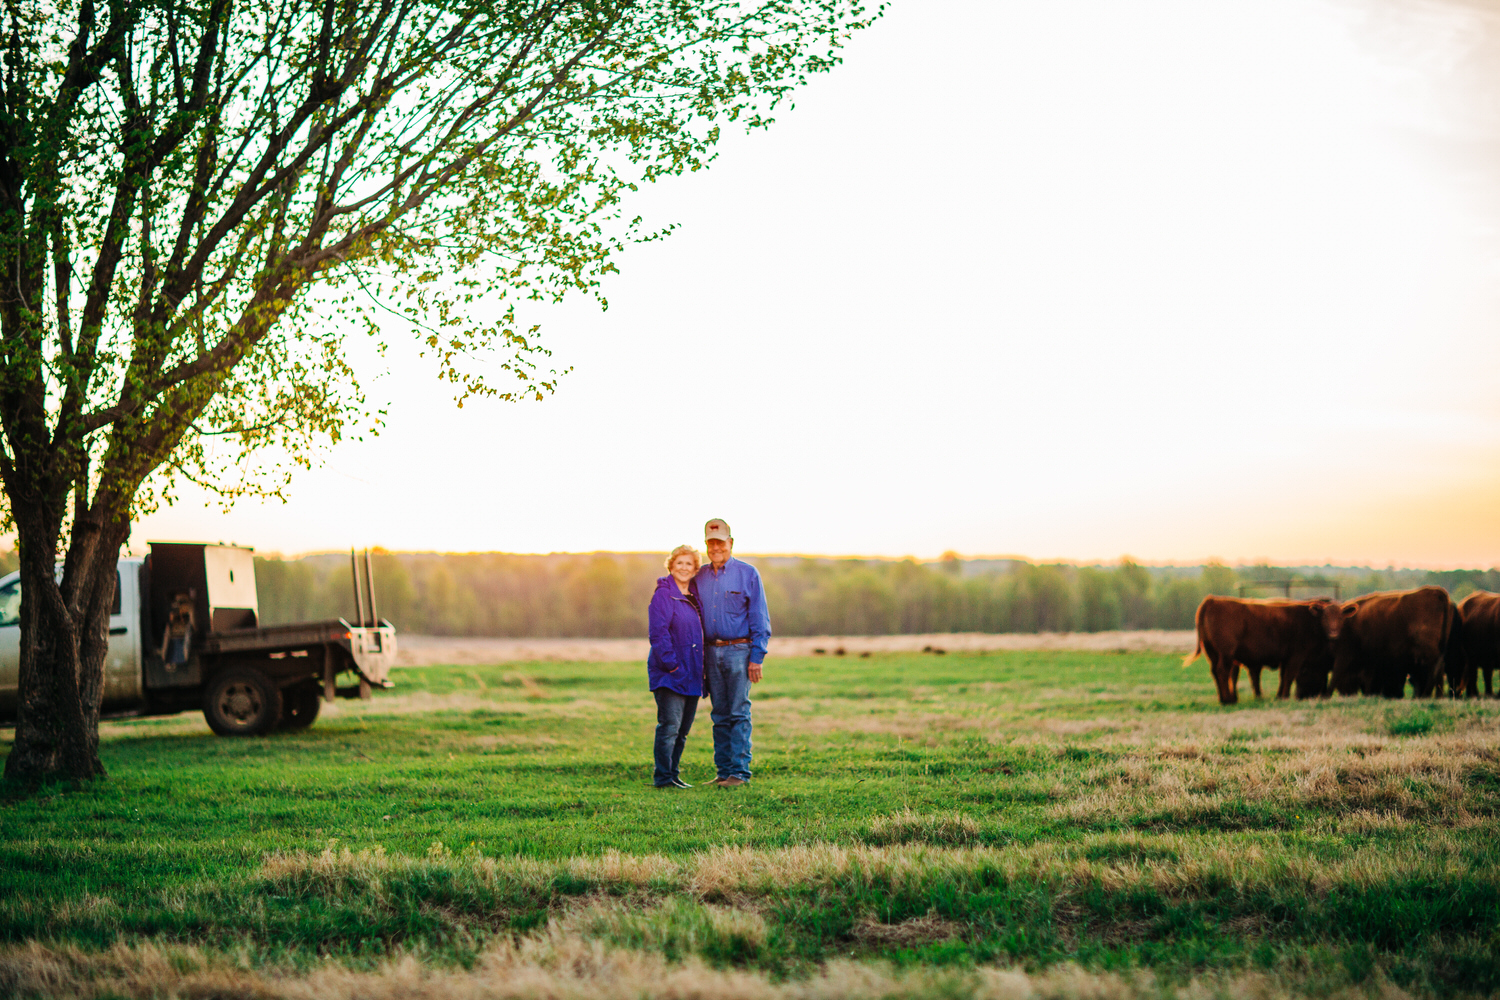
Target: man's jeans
674 719
727 673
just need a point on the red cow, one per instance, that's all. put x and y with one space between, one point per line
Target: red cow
1480 612
1294 636
1392 636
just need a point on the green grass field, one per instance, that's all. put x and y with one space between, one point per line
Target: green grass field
1010 825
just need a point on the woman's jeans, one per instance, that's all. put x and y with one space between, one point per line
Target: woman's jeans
729 686
674 719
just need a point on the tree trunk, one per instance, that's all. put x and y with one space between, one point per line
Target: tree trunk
64 644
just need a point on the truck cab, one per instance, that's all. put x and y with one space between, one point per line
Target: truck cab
123 690
184 633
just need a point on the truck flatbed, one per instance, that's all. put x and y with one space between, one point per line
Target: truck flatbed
371 648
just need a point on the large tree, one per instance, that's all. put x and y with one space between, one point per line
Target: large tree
200 199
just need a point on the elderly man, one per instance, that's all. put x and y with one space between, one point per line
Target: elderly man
736 631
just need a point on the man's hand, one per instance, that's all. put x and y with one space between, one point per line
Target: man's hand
755 673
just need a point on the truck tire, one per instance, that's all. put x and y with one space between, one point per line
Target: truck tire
242 701
300 704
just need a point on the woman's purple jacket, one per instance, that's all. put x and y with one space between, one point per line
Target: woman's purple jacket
676 630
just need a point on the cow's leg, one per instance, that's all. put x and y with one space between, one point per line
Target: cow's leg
1456 673
1426 676
1393 684
1434 677
1346 674
1290 671
1255 669
1489 673
1312 675
1218 667
1227 677
1421 686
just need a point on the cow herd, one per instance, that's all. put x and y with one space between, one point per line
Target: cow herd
1373 644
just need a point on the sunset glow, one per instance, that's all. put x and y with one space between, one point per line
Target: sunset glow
1063 279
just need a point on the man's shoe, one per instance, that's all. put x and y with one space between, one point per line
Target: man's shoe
731 782
679 783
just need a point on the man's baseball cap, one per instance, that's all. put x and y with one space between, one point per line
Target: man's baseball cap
717 528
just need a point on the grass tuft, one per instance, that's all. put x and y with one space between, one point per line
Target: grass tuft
907 827
1416 722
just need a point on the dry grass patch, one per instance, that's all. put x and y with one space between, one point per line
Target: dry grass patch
1077 727
907 827
560 966
906 933
88 908
1370 821
1332 767
530 686
513 740
886 719
716 874
1178 865
673 927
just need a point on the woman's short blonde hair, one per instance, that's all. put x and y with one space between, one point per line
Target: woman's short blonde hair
684 550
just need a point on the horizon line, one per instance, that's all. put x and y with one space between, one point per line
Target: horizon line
1008 557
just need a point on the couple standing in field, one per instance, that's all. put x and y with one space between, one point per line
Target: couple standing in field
709 630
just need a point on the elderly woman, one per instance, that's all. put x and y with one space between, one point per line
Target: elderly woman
675 667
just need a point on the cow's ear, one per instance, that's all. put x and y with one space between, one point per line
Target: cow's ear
1350 610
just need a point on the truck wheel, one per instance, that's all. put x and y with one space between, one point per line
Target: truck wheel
300 704
241 701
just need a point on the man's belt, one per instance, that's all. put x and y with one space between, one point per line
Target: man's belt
729 642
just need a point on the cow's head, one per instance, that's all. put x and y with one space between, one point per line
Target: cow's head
1332 615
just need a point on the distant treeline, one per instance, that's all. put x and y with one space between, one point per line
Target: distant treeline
604 595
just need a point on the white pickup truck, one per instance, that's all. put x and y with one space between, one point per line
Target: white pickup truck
184 633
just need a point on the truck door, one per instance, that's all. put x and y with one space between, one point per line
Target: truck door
122 664
10 645
122 674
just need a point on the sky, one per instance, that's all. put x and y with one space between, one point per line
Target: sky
1066 279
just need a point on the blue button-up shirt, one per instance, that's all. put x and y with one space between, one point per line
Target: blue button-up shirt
734 605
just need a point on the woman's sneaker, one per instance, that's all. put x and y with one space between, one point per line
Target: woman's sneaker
679 783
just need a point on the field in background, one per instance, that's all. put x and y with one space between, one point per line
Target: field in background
1014 824
604 594
435 650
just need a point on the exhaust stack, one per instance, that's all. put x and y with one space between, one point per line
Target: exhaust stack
364 590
